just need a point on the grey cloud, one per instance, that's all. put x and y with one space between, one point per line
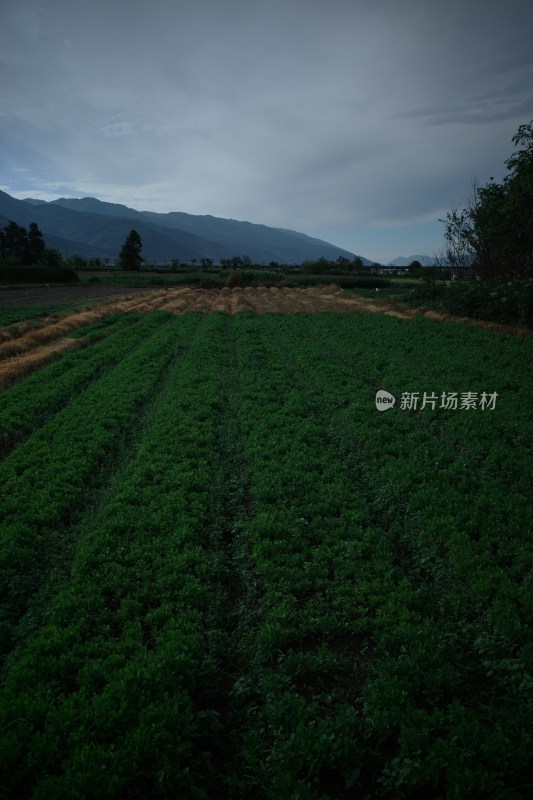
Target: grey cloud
477 111
300 114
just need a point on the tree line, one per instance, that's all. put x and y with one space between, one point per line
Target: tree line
21 246
493 233
130 259
25 258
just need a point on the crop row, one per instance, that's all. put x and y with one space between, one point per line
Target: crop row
432 459
325 580
118 692
45 479
28 404
106 326
459 531
281 592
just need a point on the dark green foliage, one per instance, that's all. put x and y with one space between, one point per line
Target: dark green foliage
409 612
36 246
38 274
494 233
263 278
106 326
324 266
47 496
21 246
130 254
415 269
277 591
27 405
234 263
502 302
13 244
52 257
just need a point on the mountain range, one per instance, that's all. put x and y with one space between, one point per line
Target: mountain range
91 228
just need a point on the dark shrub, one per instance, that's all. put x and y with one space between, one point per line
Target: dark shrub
38 274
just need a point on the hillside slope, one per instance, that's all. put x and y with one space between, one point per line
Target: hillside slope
88 226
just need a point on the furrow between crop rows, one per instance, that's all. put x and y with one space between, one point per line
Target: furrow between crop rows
45 480
230 576
146 614
469 581
325 574
28 405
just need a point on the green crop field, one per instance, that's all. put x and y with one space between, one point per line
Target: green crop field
227 574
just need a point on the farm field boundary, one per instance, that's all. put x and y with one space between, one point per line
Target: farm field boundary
29 345
227 574
22 345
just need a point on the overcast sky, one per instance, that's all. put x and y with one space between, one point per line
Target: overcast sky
358 121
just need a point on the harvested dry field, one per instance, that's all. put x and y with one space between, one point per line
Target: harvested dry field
311 300
263 299
26 346
260 299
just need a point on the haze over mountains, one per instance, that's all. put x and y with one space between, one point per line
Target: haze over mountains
89 227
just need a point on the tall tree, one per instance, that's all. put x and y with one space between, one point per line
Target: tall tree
415 268
14 243
519 199
494 232
36 245
18 246
130 254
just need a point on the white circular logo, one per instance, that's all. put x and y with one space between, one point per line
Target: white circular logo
384 400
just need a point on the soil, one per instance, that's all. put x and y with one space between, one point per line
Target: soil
262 300
55 295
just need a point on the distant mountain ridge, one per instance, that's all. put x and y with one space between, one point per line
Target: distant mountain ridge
89 227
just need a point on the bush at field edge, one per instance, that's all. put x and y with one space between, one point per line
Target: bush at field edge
37 274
